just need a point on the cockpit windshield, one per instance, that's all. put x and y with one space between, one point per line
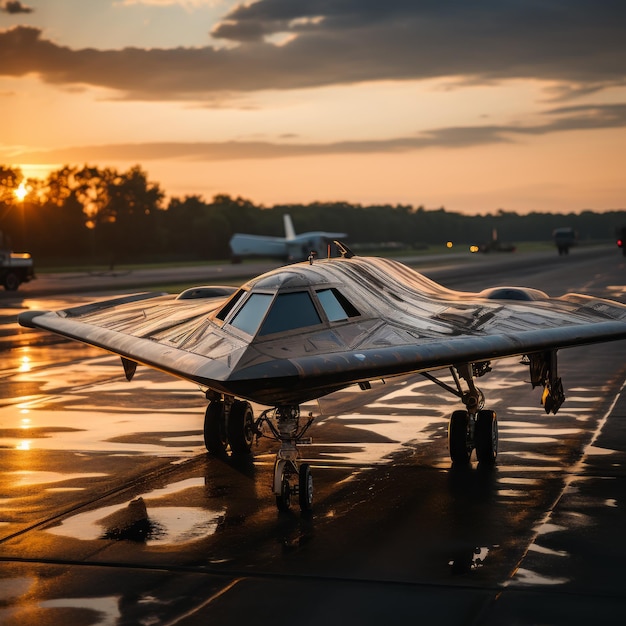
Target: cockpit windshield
335 305
289 311
251 314
266 313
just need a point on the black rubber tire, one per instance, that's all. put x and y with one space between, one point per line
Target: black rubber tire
458 446
215 436
305 488
241 427
486 437
283 501
11 281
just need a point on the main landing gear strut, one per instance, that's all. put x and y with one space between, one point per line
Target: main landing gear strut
229 426
474 428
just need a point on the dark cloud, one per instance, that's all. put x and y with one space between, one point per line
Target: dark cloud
575 42
557 120
14 7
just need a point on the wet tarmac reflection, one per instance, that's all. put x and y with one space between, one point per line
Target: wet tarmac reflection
101 473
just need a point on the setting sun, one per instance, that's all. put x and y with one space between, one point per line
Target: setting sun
21 191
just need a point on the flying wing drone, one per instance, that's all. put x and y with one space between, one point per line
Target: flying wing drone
303 331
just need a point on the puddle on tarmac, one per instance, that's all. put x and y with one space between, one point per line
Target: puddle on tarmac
546 528
145 520
15 587
106 607
525 577
393 428
27 478
595 451
64 415
535 429
353 454
515 480
547 551
153 432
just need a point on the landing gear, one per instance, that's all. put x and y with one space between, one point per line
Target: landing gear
474 428
285 486
468 431
215 438
543 371
459 438
290 477
486 437
305 487
240 427
229 424
282 486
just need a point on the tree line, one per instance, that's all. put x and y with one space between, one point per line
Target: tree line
100 215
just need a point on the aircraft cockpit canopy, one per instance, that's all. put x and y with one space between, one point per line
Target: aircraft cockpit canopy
260 313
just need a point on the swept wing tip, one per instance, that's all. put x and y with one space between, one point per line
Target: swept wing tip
26 319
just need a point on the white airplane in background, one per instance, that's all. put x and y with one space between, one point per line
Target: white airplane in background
291 247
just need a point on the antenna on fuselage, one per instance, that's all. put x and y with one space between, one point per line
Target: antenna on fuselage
345 252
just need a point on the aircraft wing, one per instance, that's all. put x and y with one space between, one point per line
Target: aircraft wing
394 321
317 374
148 328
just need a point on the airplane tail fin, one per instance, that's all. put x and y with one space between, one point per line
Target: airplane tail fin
290 232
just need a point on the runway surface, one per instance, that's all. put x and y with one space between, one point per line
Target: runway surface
112 512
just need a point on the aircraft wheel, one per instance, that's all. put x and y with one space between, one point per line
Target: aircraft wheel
283 499
241 427
305 488
486 437
459 444
11 281
215 437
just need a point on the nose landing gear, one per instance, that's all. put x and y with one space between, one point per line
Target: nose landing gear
291 478
229 426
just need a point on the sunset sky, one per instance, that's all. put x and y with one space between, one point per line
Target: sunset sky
473 105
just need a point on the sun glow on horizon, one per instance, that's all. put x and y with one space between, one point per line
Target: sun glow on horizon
37 170
21 191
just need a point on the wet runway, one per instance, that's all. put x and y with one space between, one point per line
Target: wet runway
112 513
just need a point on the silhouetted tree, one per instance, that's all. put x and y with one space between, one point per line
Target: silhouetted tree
114 216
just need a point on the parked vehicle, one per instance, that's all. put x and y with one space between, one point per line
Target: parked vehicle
564 239
15 269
